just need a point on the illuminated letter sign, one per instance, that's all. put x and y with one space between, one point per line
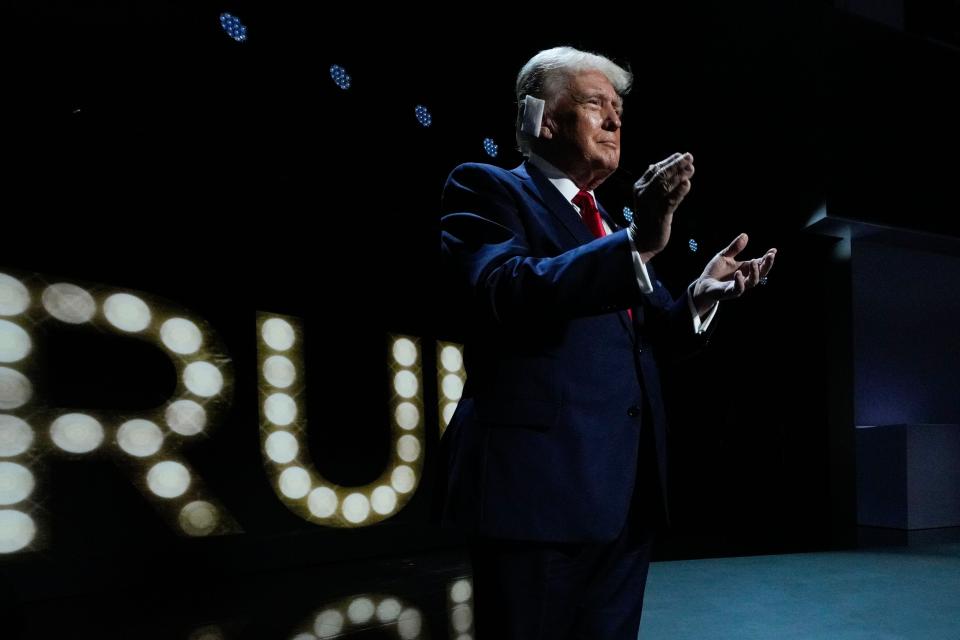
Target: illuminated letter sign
146 444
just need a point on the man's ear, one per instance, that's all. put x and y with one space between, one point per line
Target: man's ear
547 128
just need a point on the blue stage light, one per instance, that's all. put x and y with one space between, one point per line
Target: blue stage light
340 76
234 28
423 115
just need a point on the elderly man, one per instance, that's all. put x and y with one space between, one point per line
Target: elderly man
556 453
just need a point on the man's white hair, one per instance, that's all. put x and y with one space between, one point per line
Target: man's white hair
545 76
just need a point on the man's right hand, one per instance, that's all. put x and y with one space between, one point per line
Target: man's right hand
656 195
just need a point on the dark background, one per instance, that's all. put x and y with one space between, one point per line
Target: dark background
147 151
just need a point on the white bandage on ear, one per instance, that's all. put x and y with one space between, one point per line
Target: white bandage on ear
532 115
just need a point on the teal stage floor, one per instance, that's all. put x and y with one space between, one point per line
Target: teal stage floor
892 593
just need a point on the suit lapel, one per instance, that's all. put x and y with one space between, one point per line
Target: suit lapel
537 185
608 218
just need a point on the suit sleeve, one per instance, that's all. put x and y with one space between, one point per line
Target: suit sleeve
670 324
486 234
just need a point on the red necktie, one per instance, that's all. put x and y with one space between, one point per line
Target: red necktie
591 217
590 213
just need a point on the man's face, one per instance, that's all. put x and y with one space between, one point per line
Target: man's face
585 126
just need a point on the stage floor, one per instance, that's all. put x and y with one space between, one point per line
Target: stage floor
880 593
890 593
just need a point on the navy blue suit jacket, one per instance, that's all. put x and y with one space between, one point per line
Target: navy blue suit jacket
544 443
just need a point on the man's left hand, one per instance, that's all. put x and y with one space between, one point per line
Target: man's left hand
725 277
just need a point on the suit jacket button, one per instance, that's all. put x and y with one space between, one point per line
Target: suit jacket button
633 411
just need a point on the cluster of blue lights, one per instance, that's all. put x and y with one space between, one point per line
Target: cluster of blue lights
694 247
234 28
628 215
763 280
423 115
340 76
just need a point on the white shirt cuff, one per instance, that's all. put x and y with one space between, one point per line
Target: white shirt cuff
643 278
699 326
